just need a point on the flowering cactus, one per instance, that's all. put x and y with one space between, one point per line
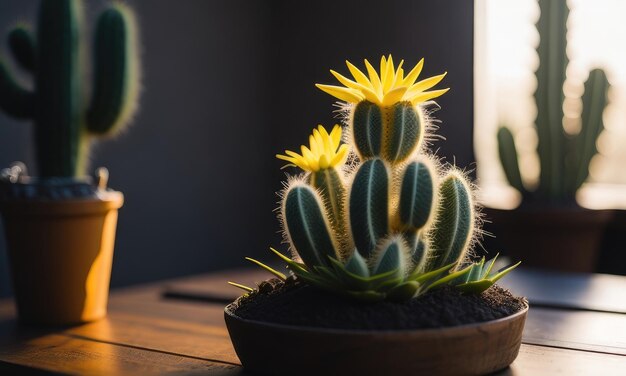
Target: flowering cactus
377 216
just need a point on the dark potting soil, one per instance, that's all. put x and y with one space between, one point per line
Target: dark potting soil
298 304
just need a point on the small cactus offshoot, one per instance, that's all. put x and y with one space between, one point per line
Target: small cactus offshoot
65 120
374 215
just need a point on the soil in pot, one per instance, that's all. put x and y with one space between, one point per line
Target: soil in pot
295 303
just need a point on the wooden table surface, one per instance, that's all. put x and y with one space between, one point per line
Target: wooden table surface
576 326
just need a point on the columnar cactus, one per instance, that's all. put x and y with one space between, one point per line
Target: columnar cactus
392 223
564 159
64 120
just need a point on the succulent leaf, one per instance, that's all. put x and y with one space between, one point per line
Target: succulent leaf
356 264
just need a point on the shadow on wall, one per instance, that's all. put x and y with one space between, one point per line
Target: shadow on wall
227 84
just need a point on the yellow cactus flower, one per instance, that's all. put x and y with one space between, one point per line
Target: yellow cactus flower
390 87
325 150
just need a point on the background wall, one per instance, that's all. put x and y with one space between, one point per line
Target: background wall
227 84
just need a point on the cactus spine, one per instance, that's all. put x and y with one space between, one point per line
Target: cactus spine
64 122
564 159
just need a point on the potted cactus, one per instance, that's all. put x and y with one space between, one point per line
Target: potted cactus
60 226
381 277
549 219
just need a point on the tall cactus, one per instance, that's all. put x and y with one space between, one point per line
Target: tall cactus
564 159
385 226
65 122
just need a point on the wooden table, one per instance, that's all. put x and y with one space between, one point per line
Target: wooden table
576 326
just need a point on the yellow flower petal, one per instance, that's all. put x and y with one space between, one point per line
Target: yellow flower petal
346 81
388 75
342 93
413 74
394 96
341 156
386 87
324 163
374 79
313 145
427 95
335 135
359 76
397 77
427 83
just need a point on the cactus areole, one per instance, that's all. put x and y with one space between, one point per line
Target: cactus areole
67 107
374 215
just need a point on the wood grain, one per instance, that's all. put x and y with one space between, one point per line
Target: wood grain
547 361
579 330
147 334
72 354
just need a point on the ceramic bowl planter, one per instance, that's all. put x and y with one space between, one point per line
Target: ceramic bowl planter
60 252
474 349
543 236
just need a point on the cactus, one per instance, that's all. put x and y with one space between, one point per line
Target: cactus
64 122
391 224
564 159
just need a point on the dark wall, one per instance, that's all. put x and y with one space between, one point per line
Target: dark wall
227 84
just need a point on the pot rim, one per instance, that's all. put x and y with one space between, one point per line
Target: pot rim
365 332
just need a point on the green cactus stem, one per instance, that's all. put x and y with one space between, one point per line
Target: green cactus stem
307 226
417 196
64 121
331 187
564 159
508 158
419 254
369 205
391 256
594 101
455 222
367 129
403 132
549 96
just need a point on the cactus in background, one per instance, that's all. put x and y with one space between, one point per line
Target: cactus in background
392 224
64 122
564 159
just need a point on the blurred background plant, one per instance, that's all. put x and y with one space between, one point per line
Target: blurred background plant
538 74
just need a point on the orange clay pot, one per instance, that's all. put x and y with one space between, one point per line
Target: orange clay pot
60 253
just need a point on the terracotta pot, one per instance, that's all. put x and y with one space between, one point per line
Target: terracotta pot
60 253
565 239
473 349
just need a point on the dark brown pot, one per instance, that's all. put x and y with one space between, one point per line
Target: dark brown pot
565 239
475 349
